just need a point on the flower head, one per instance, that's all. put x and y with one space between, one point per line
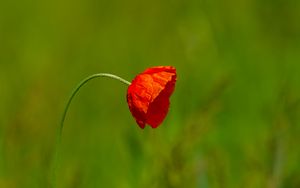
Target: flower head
148 95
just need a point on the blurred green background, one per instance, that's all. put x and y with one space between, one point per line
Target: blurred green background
234 119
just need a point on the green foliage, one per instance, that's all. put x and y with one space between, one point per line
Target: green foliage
234 117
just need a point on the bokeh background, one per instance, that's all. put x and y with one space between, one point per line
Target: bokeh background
234 119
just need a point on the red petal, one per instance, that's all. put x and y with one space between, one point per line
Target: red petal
149 93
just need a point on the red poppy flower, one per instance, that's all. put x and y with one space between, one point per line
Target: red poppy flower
148 95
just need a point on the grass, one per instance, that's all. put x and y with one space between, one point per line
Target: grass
234 117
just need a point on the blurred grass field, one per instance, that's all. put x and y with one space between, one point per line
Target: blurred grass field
234 119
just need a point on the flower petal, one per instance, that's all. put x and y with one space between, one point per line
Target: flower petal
149 93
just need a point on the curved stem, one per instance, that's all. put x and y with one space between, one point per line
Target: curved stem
74 92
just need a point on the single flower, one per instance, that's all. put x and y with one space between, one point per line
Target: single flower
148 95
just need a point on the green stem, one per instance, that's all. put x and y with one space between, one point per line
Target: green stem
60 130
